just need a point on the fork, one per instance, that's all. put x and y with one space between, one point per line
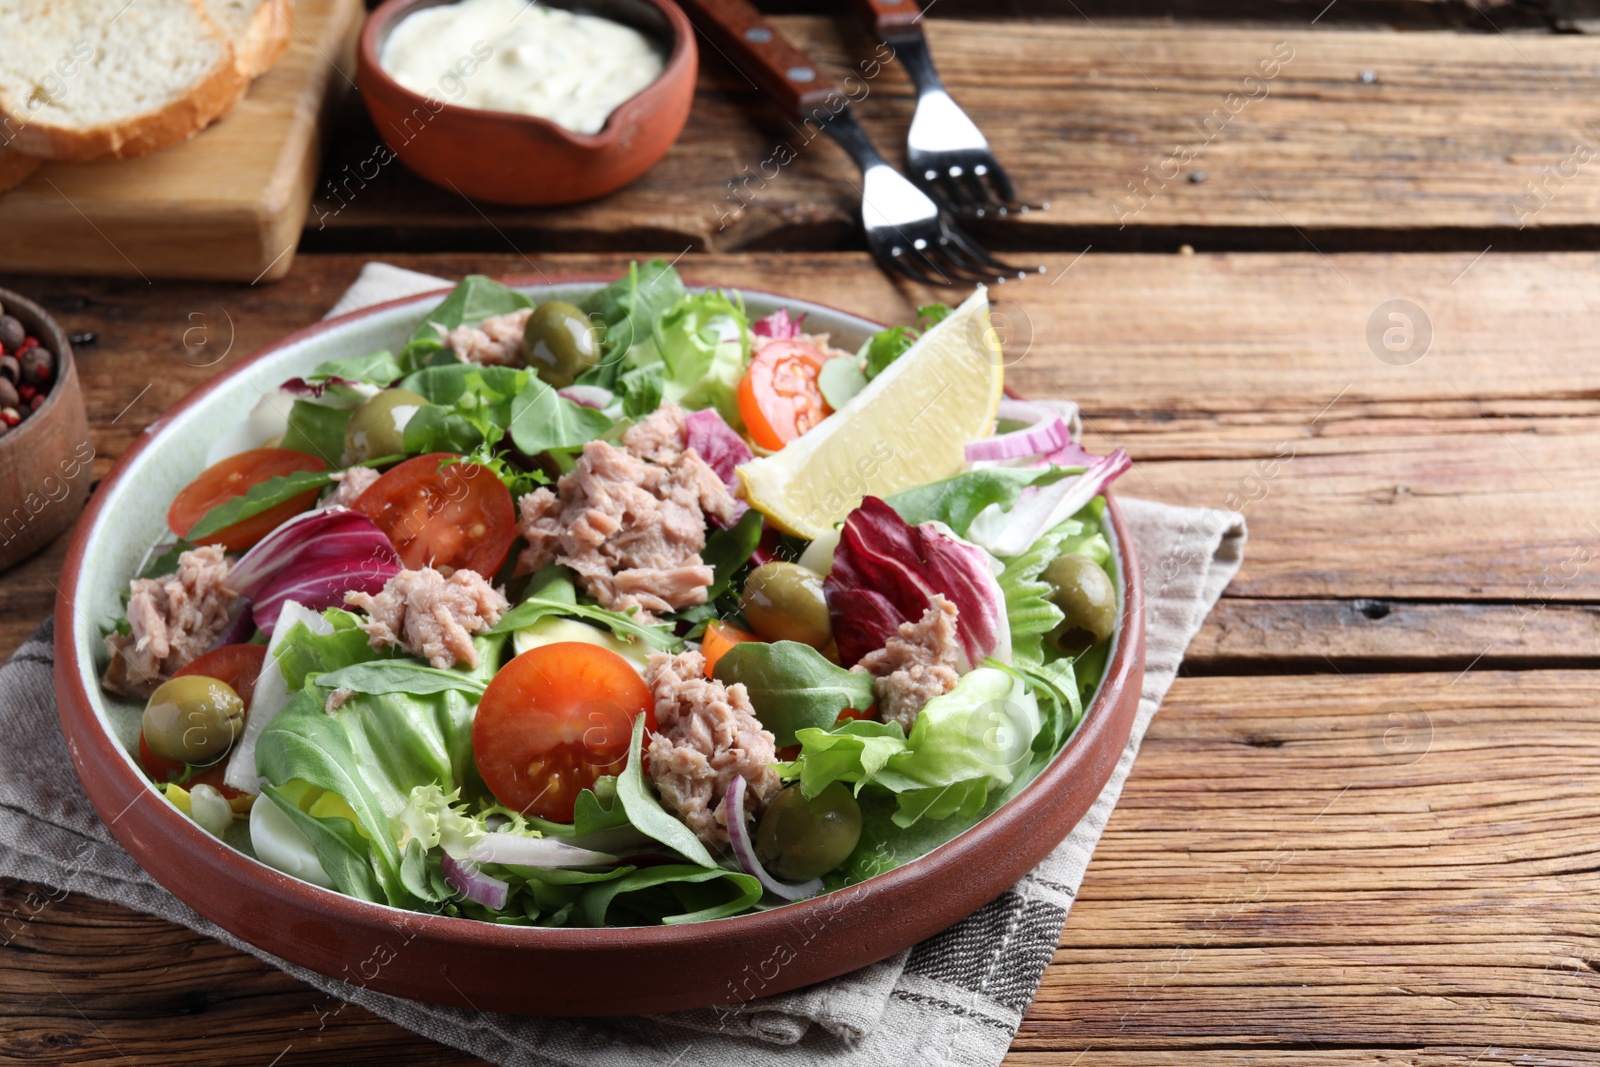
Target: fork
946 154
906 230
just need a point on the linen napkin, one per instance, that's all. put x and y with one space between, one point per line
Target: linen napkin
957 998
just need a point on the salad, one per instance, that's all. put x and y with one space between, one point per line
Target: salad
631 611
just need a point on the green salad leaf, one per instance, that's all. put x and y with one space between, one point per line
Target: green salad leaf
375 368
253 501
974 738
400 676
792 687
1029 610
645 812
317 430
556 595
628 308
957 500
703 344
542 419
886 346
656 894
474 299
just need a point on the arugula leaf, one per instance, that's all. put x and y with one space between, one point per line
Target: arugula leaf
447 384
399 676
376 368
641 390
434 428
316 430
253 501
474 299
597 900
957 500
793 687
542 419
645 811
532 609
628 308
728 550
164 564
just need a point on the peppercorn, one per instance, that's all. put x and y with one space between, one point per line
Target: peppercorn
26 392
38 366
10 369
36 403
8 395
10 416
12 333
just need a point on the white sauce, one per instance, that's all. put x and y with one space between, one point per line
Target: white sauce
510 55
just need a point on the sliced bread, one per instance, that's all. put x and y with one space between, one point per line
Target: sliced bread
259 29
89 79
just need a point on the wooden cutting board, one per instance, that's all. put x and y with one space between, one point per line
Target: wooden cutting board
227 204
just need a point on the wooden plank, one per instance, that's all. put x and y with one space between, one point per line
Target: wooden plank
1457 141
1422 891
230 203
1213 370
1248 635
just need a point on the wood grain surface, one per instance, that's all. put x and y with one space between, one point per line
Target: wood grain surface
1362 828
229 203
1139 135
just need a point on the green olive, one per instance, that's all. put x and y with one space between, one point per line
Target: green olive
193 719
800 839
1085 595
785 602
378 427
560 342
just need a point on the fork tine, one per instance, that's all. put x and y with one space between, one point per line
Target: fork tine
1000 268
903 264
975 270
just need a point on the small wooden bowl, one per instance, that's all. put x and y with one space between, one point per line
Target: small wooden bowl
507 158
46 460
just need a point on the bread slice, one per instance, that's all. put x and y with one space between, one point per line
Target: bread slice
259 29
89 79
15 168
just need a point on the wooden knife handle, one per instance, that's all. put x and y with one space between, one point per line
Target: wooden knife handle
760 52
890 17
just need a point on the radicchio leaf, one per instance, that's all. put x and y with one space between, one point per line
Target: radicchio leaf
886 572
314 559
778 325
710 435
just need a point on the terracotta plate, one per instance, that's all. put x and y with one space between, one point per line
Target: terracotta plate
459 961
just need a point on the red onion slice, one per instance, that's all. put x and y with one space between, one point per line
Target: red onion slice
777 325
590 396
1046 431
744 849
473 884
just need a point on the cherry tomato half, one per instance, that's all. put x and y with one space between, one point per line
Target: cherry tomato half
443 514
779 397
555 719
239 666
228 478
719 638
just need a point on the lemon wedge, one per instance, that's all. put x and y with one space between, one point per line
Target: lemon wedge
909 426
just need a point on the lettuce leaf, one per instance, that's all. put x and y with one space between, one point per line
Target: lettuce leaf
957 500
701 344
975 738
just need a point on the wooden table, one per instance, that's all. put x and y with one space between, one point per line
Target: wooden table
1363 827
